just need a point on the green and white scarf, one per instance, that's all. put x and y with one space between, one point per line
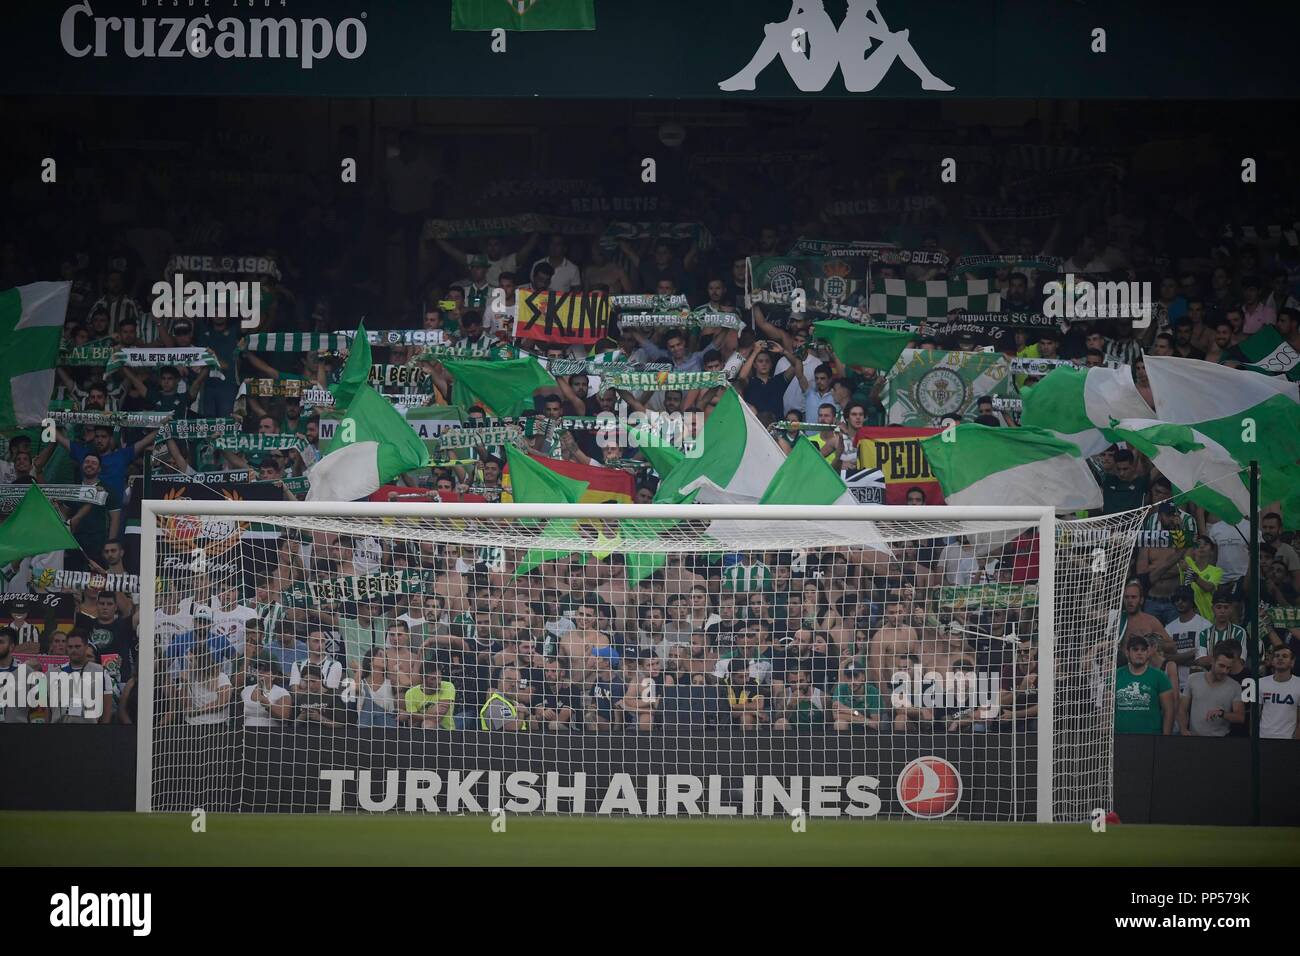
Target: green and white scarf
439 352
11 495
359 587
266 443
297 342
652 302
274 387
1039 263
404 375
156 358
92 353
490 437
113 419
507 225
187 429
694 231
665 381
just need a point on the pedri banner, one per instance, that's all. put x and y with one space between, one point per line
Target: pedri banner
897 454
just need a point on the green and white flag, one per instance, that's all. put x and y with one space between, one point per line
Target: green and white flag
523 14
1076 404
898 300
926 385
736 454
1253 416
1196 465
31 328
378 447
1266 351
983 465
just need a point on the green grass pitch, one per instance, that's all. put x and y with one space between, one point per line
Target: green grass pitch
107 839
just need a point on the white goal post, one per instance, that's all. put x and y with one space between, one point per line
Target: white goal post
1043 764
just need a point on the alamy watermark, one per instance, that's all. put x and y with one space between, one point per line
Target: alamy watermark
177 299
1086 299
78 694
950 690
652 429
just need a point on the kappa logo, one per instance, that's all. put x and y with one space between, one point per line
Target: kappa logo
812 49
929 788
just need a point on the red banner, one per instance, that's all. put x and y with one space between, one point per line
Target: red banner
564 318
897 453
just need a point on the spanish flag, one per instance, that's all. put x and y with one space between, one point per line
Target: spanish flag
603 484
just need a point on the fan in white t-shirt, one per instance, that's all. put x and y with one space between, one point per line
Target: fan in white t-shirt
1185 629
266 702
1279 698
229 618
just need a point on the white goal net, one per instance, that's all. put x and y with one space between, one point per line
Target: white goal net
925 662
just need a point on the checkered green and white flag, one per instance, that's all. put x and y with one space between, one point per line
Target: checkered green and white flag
901 300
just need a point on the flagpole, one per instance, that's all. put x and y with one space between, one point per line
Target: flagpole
1252 619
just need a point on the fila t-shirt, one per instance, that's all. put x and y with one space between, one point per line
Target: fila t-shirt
1279 700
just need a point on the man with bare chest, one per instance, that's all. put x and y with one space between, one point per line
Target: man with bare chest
402 663
895 638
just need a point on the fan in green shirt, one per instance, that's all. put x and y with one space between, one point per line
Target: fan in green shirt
856 703
1144 697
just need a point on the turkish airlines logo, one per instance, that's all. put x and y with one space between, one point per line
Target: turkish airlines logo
812 48
929 788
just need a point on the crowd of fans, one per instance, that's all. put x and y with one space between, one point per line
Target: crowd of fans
779 640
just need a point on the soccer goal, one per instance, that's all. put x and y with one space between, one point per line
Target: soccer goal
638 660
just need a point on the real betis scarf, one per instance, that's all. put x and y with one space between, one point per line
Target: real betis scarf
187 429
988 596
360 587
439 352
399 375
507 225
903 299
275 387
665 381
156 358
92 353
261 443
598 367
234 477
672 231
11 495
828 285
113 419
1039 263
478 437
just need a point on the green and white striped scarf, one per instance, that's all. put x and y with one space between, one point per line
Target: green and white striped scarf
261 443
92 353
191 428
10 495
297 342
113 419
156 358
665 381
661 303
359 587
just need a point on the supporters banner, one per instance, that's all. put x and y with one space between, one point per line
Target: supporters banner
183 533
696 232
807 246
987 597
703 317
113 419
222 265
35 615
234 477
11 495
358 587
52 579
834 286
507 225
897 454
563 318
926 385
652 303
984 329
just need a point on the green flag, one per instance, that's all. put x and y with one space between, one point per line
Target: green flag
356 370
523 14
1197 466
663 458
372 445
35 527
31 328
504 388
534 483
855 344
804 478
